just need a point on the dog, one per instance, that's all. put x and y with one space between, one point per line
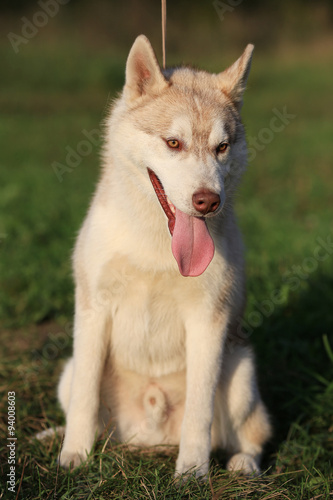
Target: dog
159 274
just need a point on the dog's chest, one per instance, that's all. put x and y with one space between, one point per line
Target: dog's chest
147 319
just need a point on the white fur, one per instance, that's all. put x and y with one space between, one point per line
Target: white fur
218 134
149 357
181 128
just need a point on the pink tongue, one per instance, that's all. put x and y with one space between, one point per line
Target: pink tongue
192 245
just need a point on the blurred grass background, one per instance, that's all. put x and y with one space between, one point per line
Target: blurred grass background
60 83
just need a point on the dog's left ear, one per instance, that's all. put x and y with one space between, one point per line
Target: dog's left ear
143 74
232 81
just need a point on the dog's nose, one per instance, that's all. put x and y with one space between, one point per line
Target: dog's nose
206 201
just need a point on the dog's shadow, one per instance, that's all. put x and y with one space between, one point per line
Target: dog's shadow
292 356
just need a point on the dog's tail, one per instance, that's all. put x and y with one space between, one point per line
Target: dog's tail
40 436
155 404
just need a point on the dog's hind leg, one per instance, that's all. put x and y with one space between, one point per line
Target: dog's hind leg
241 424
251 435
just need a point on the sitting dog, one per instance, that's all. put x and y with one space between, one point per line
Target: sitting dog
159 275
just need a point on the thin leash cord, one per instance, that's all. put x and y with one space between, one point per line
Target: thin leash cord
163 29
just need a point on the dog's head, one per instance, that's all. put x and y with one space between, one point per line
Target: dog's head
184 133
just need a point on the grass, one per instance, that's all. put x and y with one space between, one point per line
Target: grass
284 209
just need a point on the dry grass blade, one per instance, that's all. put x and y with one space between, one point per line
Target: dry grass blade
19 488
102 452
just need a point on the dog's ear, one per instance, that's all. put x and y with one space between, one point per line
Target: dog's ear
232 81
143 74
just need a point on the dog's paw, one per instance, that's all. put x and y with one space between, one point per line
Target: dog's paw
70 459
194 473
243 463
187 469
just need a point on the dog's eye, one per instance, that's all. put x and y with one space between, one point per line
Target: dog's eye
222 147
173 143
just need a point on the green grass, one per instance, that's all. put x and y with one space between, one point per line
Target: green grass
284 206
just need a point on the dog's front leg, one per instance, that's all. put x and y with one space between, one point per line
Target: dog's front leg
204 346
89 358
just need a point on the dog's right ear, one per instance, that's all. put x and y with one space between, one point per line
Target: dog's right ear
143 74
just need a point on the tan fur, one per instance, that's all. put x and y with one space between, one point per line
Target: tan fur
150 354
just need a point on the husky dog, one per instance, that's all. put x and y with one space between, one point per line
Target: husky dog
159 276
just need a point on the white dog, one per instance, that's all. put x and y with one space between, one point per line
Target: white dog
160 276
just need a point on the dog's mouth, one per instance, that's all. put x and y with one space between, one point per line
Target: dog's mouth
192 245
168 207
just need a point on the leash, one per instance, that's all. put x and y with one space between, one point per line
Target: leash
164 15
